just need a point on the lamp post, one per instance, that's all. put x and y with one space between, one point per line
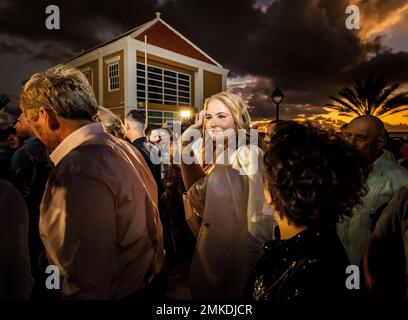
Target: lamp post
277 97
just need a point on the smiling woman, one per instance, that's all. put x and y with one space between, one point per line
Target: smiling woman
225 199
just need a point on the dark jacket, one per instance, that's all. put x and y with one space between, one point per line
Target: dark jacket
29 171
308 267
145 149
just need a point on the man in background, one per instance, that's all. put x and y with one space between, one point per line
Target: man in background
134 130
29 171
367 134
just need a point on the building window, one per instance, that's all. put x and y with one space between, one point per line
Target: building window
157 117
88 75
113 76
165 86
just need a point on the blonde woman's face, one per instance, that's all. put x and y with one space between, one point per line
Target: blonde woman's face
218 119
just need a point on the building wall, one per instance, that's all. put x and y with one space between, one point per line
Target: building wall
92 66
115 99
212 84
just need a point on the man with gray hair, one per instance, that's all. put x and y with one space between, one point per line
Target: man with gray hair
99 220
367 134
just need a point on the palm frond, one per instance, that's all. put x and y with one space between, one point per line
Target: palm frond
351 97
394 105
343 105
384 93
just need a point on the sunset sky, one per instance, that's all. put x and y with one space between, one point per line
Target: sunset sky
302 46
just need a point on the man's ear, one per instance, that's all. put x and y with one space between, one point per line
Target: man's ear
126 125
50 120
382 140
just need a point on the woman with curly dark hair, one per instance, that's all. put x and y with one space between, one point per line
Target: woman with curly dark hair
312 179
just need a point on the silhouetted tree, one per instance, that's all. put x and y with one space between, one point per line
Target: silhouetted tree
373 96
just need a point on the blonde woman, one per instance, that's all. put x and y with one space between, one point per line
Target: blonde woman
225 196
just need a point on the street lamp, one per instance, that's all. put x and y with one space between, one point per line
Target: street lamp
277 97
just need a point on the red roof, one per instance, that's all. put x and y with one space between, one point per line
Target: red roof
162 36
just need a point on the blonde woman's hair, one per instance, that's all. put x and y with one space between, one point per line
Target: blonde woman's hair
237 107
111 122
63 91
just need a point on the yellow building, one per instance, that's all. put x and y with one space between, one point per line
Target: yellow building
180 75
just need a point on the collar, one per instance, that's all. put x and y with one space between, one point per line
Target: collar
31 139
139 140
74 140
379 164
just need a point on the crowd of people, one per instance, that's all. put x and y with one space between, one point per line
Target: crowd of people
115 205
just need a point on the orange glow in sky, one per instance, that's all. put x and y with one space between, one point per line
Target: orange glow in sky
393 123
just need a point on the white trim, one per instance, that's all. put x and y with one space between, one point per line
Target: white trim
224 82
199 89
110 48
143 28
112 60
130 76
125 75
117 63
100 77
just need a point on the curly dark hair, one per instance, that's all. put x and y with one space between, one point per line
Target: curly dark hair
314 178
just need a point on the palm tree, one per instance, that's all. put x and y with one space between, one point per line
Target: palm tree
370 97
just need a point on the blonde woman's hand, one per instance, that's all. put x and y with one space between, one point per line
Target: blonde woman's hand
200 121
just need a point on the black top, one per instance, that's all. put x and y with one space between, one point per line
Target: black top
29 171
311 266
145 149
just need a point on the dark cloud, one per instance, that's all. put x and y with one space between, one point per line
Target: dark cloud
301 46
8 48
84 23
257 95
